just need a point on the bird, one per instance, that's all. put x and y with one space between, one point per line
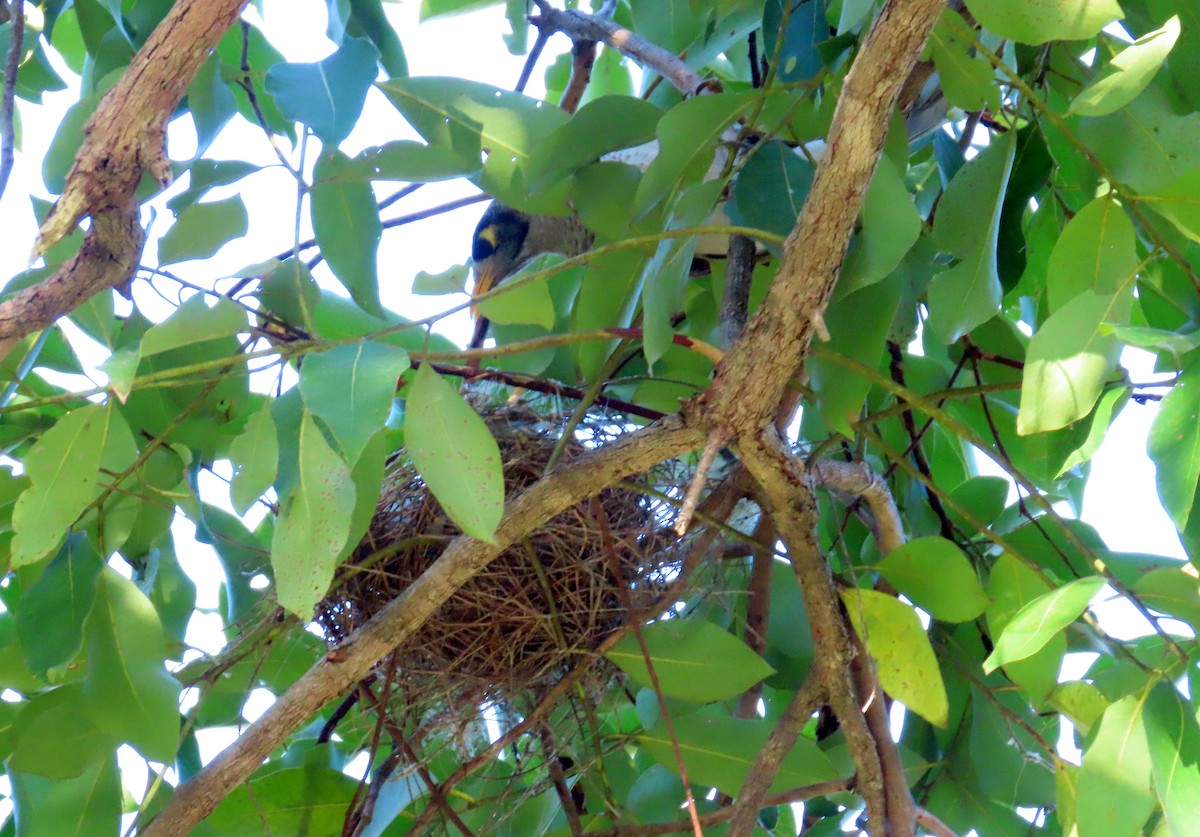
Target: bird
505 239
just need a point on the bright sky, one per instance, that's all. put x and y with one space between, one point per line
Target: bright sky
1121 500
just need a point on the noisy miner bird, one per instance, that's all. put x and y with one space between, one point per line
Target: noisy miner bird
506 239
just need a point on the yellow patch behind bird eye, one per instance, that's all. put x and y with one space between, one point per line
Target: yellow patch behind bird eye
488 234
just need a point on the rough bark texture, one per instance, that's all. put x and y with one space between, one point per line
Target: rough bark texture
124 139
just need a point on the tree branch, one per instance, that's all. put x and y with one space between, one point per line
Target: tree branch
858 479
12 63
464 558
756 370
581 26
123 140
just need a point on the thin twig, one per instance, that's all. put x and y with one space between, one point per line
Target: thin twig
244 81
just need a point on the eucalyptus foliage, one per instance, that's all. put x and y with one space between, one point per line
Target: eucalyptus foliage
1004 260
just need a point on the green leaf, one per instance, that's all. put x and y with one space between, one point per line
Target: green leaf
524 302
1128 73
1039 21
967 226
438 8
455 453
211 104
452 280
1068 362
1179 205
908 669
890 227
1081 702
193 322
1173 739
326 96
204 174
1171 590
346 223
1114 794
718 752
85 806
293 800
935 574
351 388
603 125
1044 617
127 690
770 188
1146 145
63 467
687 139
411 161
313 523
858 326
1011 586
51 614
1174 445
370 17
202 229
255 457
693 660
1095 252
968 80
54 737
472 118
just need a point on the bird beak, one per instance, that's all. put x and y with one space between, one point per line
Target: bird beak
485 280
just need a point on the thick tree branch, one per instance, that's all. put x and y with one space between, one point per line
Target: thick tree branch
124 139
464 558
12 62
858 479
755 372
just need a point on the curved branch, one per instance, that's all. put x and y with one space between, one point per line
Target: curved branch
464 558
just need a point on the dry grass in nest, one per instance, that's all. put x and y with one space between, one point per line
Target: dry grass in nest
542 603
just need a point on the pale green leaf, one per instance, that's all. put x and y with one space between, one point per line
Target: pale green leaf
1068 362
452 280
1095 252
255 458
127 689
1039 21
936 575
1173 739
63 470
693 660
1011 585
1114 787
1179 204
890 227
1128 73
1044 617
346 222
455 454
1174 445
908 669
313 524
202 229
351 388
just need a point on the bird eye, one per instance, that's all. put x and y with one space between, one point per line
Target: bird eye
483 247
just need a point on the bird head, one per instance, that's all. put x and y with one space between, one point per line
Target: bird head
498 248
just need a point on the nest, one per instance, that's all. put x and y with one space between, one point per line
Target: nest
542 603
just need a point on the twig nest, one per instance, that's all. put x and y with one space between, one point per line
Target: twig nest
558 594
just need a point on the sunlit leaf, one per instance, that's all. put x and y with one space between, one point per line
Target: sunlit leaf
1128 73
455 453
313 524
1173 738
908 669
1114 786
1038 21
936 575
255 457
1044 617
